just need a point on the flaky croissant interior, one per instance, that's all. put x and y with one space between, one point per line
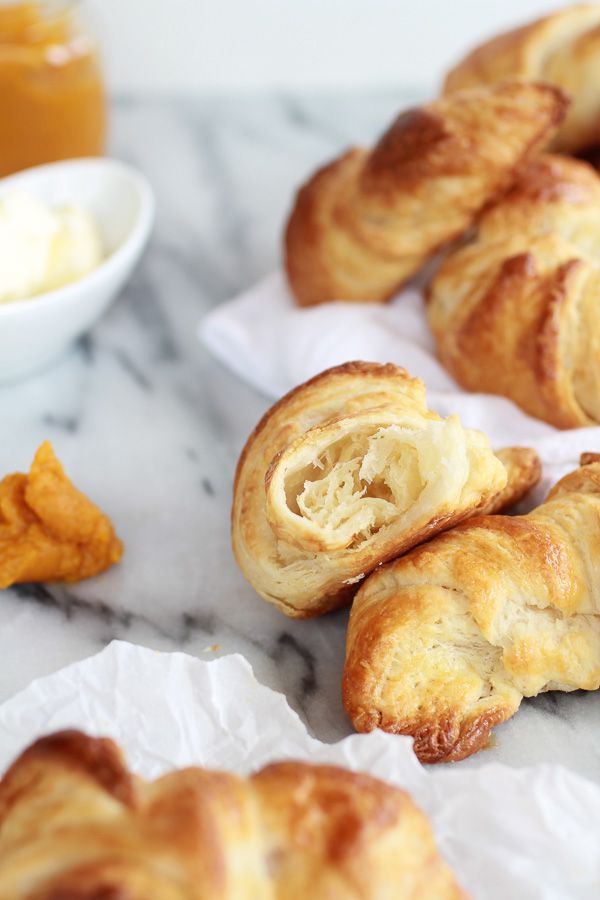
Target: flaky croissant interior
350 470
367 479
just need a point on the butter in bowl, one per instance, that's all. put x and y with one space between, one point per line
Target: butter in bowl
71 233
42 249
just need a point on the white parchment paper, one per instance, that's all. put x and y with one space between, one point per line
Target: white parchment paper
510 834
273 344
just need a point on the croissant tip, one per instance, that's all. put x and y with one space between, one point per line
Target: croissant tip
588 458
98 758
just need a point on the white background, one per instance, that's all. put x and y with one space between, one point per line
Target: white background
232 45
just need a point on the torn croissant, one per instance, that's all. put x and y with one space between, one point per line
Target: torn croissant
349 470
444 643
365 223
49 531
514 311
74 823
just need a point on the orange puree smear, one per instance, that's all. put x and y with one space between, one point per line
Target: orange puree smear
49 531
52 101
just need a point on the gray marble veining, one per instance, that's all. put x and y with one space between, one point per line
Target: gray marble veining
151 427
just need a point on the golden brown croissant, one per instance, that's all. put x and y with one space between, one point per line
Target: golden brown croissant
563 49
444 643
49 530
514 312
349 470
369 220
75 824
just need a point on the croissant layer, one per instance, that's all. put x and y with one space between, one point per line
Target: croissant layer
562 49
514 311
75 824
349 470
366 222
444 643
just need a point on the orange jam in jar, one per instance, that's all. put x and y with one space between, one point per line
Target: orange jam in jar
52 99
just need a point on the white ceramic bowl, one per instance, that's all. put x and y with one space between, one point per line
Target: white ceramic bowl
33 332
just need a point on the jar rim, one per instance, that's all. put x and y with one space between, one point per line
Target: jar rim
45 5
50 13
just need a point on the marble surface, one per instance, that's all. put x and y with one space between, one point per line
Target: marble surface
151 427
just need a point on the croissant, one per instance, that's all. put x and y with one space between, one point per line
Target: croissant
349 470
514 312
444 643
369 220
48 529
562 49
74 823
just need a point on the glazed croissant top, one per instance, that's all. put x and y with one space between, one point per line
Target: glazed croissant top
366 222
349 470
514 312
75 824
563 49
444 643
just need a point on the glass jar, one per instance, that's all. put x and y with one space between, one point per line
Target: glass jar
52 97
